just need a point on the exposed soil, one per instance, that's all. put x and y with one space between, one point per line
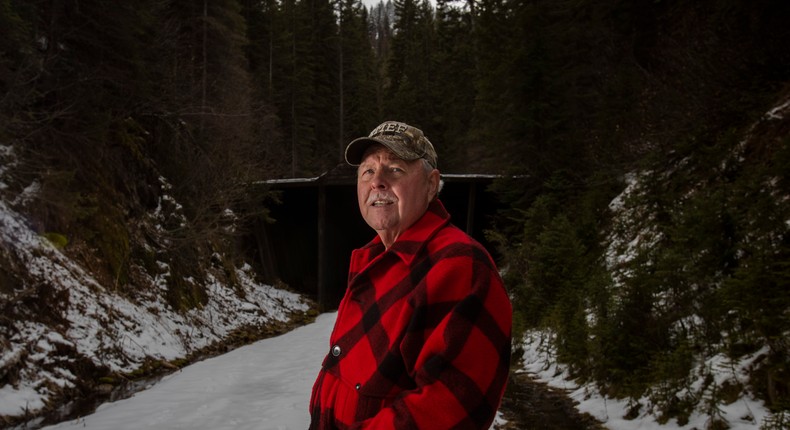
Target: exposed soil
529 404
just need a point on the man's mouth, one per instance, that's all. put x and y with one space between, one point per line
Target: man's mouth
379 200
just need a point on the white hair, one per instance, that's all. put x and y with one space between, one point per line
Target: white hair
428 169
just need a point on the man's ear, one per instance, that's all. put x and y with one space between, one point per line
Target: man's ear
433 183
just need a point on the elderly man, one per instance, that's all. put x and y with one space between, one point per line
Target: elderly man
422 338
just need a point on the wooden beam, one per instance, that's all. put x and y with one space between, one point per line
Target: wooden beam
470 208
322 293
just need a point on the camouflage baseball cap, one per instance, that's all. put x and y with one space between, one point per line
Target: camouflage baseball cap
405 141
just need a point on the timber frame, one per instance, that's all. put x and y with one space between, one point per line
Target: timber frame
317 225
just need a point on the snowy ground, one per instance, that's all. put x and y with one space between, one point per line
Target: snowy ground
108 327
85 321
263 386
267 385
745 413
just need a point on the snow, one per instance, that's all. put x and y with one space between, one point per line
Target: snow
265 385
632 233
540 363
100 321
262 386
116 330
778 112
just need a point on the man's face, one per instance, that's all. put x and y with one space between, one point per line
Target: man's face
392 193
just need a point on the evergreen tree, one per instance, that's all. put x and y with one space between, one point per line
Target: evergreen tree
16 40
215 149
358 72
305 78
264 23
411 68
74 105
493 119
380 34
320 120
453 87
261 19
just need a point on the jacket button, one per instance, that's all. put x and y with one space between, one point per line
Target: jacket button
336 350
358 386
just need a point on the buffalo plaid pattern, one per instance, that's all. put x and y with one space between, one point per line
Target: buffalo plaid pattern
422 337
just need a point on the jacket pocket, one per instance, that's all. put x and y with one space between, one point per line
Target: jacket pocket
372 398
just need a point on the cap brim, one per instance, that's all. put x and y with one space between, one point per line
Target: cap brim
356 149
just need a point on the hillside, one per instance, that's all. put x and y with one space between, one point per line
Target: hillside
682 320
67 333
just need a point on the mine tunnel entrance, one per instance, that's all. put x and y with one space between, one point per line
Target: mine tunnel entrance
317 224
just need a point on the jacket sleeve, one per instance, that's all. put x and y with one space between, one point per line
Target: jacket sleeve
458 347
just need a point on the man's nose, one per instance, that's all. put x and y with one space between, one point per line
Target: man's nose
379 180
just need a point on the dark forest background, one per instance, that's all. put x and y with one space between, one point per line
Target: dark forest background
564 97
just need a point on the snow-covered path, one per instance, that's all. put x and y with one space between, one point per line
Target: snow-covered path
266 386
263 386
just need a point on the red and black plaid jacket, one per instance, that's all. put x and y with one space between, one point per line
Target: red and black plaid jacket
422 338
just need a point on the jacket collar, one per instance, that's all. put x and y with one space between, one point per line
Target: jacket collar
413 240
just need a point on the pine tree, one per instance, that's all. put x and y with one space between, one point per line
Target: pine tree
411 68
453 87
305 81
358 71
321 116
261 18
380 34
215 149
75 117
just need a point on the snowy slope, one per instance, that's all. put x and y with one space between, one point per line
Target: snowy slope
77 322
711 369
263 386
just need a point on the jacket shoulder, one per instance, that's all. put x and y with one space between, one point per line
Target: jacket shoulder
452 241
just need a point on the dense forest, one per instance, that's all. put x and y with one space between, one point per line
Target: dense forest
571 100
